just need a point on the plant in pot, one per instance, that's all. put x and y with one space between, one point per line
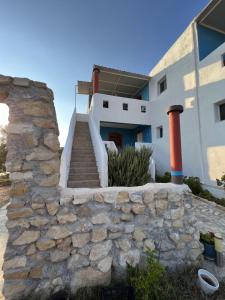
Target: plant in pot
207 239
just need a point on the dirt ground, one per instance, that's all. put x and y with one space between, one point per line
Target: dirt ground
4 195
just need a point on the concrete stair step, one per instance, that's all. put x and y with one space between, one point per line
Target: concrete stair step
84 184
84 169
82 164
80 158
85 176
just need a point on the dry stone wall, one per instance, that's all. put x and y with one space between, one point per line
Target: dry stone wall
73 237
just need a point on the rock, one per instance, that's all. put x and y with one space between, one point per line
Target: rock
186 237
127 217
166 245
47 180
38 221
149 245
89 277
20 128
66 218
16 262
37 205
24 212
80 239
20 223
16 274
84 212
37 109
129 228
122 197
139 235
110 197
18 189
114 235
136 198
124 244
41 153
45 244
50 167
105 264
57 281
132 257
100 250
193 254
115 228
98 234
58 255
126 208
85 250
44 123
148 196
27 237
5 79
36 272
17 176
65 243
31 250
177 213
18 289
24 82
138 209
52 207
58 232
81 199
161 204
101 218
51 141
77 261
98 197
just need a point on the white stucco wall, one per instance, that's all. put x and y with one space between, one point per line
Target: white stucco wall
115 112
212 91
178 64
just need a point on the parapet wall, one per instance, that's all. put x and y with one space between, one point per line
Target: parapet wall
92 232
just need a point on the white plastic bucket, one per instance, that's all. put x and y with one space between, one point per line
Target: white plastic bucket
208 282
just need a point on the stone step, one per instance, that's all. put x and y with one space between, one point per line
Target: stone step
83 184
85 176
83 164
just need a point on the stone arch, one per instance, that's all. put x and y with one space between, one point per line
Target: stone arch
33 163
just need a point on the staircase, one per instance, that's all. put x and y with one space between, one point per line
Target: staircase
83 170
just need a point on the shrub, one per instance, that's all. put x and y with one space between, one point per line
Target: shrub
130 167
207 238
221 181
165 178
147 282
194 184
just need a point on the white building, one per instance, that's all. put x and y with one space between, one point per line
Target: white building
126 107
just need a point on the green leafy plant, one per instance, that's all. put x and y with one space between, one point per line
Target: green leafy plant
165 178
130 167
3 149
221 181
147 282
194 184
207 238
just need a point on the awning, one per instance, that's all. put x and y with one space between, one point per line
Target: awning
213 16
116 82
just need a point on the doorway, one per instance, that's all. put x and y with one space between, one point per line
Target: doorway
117 139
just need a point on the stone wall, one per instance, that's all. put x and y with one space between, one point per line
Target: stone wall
33 161
77 237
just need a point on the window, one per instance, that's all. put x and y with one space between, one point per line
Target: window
162 85
159 132
125 106
223 60
143 109
105 104
222 112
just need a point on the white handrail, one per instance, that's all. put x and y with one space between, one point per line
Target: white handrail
101 155
66 154
111 146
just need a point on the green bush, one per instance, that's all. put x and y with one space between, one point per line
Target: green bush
194 184
221 181
147 282
165 178
130 167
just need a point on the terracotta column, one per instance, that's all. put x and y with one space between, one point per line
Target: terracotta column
95 80
175 143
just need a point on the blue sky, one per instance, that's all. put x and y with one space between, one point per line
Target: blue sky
58 41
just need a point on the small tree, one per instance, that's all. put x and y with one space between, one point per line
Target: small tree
3 148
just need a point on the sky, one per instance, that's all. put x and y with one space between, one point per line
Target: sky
58 41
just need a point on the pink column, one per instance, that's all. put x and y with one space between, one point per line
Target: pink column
175 143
